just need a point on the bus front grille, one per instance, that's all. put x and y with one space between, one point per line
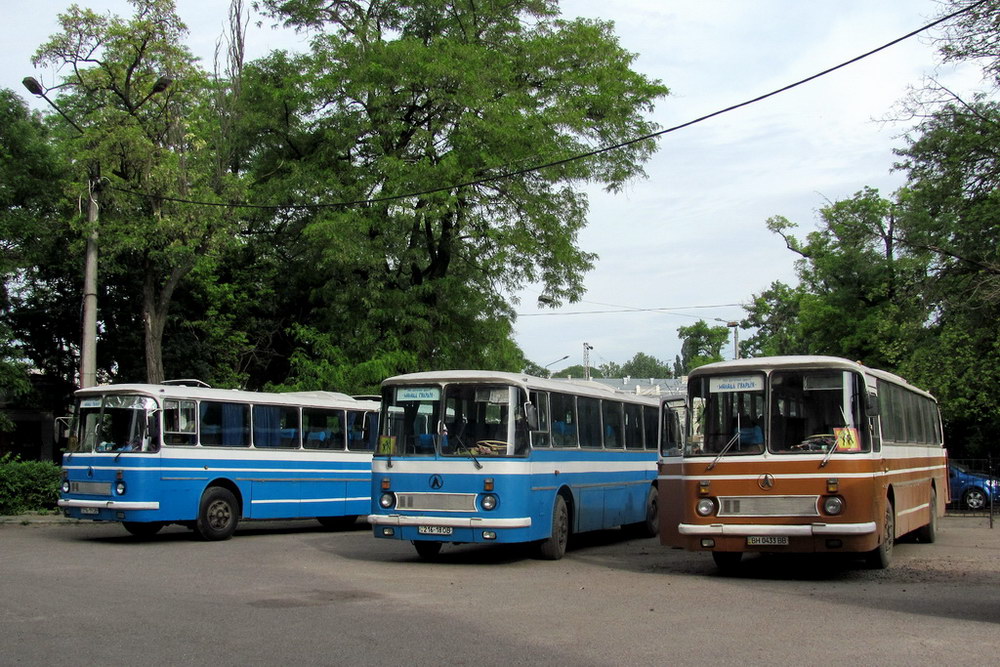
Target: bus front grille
437 502
738 506
91 488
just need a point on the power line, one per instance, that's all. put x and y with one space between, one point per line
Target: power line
581 156
627 309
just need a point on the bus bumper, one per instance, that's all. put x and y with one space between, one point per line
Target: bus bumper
459 530
799 530
108 505
452 522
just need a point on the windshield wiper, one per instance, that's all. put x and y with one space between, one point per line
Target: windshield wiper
736 436
468 452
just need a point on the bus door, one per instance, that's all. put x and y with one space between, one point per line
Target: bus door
673 425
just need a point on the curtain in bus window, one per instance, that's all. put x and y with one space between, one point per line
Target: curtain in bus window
266 426
234 425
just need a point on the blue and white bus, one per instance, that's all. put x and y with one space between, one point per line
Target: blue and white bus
150 455
493 457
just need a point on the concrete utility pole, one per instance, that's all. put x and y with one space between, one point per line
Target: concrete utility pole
88 336
587 347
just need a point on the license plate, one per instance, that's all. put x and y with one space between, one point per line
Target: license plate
767 541
434 530
89 510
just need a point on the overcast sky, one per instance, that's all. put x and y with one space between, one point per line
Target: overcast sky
691 237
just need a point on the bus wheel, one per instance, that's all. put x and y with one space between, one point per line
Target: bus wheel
554 546
880 557
727 561
650 526
218 514
142 528
928 534
337 522
428 550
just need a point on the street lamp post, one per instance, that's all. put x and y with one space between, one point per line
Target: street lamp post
88 337
546 366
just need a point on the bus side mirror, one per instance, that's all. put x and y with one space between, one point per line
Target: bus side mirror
531 416
871 405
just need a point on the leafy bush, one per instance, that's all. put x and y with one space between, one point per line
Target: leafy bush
28 486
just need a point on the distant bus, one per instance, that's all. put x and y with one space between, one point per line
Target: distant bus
803 454
493 457
150 455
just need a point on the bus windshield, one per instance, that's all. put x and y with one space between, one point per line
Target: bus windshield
807 411
117 423
461 420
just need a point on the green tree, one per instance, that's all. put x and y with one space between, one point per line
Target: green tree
643 365
953 164
860 294
132 140
450 100
700 344
30 174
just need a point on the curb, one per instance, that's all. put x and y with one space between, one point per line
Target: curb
36 519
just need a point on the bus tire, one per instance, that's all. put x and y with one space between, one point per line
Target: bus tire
650 526
880 557
428 550
218 514
554 546
928 534
727 562
142 528
337 522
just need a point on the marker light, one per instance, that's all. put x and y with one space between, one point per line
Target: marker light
385 483
832 485
488 484
703 487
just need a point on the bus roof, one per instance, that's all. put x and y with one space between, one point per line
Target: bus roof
320 399
800 361
574 386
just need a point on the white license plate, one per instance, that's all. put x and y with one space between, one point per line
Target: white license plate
89 510
767 541
434 530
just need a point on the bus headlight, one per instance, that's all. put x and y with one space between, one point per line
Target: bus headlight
488 502
387 500
120 487
65 486
833 505
705 507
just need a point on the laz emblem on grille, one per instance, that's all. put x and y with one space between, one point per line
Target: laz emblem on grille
766 481
436 482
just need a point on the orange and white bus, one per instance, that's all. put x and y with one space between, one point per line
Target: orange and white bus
803 454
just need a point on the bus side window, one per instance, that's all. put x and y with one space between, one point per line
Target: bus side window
324 429
179 422
358 436
224 424
540 436
275 426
